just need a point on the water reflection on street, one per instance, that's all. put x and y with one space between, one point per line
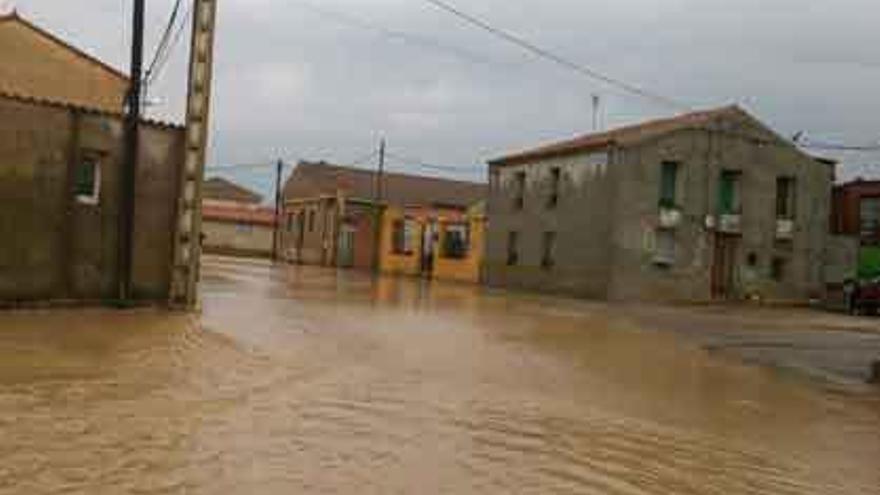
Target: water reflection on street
305 380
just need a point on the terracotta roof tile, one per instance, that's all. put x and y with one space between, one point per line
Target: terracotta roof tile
620 136
311 179
45 102
233 212
218 188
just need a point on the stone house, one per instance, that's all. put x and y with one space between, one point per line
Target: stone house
331 216
39 65
59 203
705 205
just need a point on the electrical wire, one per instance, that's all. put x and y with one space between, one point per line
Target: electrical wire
423 41
559 60
439 168
164 40
174 42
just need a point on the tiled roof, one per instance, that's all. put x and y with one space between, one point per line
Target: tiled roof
45 102
313 179
621 136
233 212
14 16
218 188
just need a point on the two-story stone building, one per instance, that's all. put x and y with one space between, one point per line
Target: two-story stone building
710 204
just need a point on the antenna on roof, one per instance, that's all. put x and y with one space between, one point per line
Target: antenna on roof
596 103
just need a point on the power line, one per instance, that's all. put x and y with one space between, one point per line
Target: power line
422 41
166 37
440 168
559 60
174 42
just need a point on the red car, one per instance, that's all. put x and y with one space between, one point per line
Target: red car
863 296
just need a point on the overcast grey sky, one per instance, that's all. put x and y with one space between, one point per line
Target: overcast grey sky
295 83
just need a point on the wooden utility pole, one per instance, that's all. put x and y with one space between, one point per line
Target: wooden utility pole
381 185
379 197
275 230
188 238
128 170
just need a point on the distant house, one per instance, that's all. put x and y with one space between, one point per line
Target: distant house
442 242
233 221
705 205
856 214
332 217
237 228
37 64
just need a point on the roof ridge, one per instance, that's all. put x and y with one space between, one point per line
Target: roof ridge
607 137
397 174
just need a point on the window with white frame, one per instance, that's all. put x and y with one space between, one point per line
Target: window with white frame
87 181
664 248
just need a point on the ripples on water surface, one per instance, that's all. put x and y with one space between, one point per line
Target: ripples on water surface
305 381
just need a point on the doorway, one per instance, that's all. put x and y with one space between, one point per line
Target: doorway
346 247
429 237
724 265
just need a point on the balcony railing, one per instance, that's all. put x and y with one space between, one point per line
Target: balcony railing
784 229
730 223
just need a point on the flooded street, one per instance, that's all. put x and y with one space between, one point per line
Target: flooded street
304 380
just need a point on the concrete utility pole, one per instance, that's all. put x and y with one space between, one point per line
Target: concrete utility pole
275 233
188 238
128 170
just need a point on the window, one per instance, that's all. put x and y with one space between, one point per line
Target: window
729 197
291 221
778 269
752 260
869 218
548 257
244 228
519 190
455 241
664 251
668 184
512 248
402 235
312 215
785 198
555 179
87 181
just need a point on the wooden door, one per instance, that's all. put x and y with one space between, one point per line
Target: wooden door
723 265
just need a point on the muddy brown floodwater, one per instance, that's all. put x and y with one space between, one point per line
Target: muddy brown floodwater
302 380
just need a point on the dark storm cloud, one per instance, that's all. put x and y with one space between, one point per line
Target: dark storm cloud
294 82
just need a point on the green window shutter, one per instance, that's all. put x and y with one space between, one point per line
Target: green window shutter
85 178
727 192
668 180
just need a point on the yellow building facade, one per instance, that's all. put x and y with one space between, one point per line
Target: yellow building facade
433 242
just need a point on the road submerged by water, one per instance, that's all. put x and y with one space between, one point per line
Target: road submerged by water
304 380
